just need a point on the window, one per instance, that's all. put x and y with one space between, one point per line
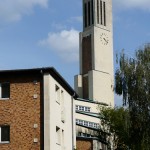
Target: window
87 109
77 121
87 123
96 125
57 93
85 15
63 143
82 108
89 14
77 107
62 98
58 132
81 122
98 11
83 134
92 11
101 12
4 90
90 124
4 134
104 6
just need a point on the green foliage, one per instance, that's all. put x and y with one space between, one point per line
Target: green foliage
133 82
117 120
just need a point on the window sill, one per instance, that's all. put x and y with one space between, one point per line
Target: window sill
57 102
57 144
5 142
3 99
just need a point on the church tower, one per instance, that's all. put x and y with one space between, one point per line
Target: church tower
95 81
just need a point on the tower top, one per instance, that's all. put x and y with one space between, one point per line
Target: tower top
97 13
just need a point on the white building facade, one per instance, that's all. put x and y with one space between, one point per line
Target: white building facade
59 114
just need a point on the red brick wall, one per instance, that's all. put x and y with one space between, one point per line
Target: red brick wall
86 54
85 87
21 111
86 63
84 144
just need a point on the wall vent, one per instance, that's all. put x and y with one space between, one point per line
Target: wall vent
35 126
35 96
35 140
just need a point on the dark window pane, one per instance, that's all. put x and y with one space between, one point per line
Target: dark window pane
104 6
85 15
89 14
98 11
92 12
5 133
101 12
5 90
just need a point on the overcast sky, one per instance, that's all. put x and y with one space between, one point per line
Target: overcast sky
41 33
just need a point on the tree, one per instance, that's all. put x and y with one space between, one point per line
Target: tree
117 122
133 82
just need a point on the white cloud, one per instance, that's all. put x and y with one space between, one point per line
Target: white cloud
65 43
140 4
12 10
76 19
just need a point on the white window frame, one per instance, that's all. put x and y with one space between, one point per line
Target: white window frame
87 123
82 108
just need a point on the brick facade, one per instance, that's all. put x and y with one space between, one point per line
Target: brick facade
86 63
86 54
84 144
22 111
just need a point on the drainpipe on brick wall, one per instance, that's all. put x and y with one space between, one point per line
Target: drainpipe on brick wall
72 118
42 112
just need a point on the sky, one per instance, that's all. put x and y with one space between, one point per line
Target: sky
42 33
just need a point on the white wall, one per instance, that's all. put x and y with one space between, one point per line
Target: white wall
54 112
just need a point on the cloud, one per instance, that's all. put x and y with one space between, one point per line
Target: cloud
65 43
76 19
13 10
58 26
139 4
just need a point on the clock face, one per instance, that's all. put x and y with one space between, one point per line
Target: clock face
104 39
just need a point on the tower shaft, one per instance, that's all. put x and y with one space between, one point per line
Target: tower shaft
95 81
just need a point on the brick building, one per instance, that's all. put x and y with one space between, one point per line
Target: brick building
36 110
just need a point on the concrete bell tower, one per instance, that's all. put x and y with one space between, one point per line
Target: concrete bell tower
95 81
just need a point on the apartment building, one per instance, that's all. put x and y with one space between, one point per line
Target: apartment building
36 110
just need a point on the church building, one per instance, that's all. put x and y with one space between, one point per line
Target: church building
94 84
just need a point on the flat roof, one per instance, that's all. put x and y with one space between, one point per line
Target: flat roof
91 101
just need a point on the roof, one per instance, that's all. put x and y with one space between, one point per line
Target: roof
96 115
91 101
51 70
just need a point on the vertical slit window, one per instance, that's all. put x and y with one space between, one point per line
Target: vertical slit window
89 14
98 11
85 15
92 12
57 94
58 138
101 9
104 9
